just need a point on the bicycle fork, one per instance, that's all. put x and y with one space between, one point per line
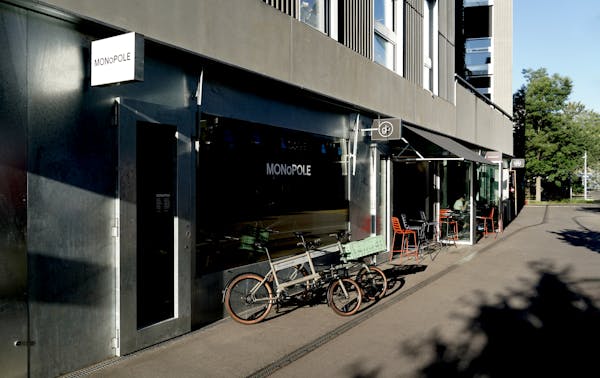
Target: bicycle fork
341 284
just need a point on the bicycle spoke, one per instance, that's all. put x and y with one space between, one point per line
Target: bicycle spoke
248 298
345 297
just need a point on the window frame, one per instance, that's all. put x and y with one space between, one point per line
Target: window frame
430 46
392 36
330 17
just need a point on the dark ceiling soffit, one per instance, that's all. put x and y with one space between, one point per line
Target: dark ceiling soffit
461 152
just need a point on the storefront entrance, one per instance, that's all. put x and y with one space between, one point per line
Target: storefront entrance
154 224
433 172
413 189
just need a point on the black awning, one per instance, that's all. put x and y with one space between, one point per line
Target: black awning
449 149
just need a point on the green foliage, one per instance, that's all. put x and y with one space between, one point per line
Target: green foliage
554 133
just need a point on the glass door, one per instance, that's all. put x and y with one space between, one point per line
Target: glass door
154 223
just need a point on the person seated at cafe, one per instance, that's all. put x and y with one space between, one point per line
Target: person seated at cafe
460 204
461 214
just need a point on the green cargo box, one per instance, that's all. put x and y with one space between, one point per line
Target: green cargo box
371 245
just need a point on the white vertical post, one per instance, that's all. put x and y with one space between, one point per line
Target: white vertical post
585 175
437 189
388 201
373 187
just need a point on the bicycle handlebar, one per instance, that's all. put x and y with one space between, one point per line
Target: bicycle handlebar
341 235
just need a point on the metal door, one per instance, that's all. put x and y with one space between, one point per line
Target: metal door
153 232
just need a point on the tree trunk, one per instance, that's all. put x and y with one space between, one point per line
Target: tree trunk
538 188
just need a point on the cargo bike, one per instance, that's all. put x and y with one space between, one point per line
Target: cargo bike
360 257
249 297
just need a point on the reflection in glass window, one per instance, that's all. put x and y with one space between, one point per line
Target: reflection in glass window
478 63
252 175
384 39
383 51
312 12
487 195
476 3
384 13
478 56
474 44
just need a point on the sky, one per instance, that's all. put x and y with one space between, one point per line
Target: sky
562 36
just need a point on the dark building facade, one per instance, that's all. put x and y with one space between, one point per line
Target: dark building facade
117 201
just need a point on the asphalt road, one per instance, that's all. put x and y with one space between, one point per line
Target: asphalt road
524 304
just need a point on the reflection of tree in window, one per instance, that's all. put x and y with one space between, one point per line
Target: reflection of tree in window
309 13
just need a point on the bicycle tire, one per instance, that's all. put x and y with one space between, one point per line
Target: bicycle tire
373 282
245 307
338 301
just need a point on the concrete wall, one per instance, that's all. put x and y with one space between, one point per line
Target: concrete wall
258 38
479 123
502 54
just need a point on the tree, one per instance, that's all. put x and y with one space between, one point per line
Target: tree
554 137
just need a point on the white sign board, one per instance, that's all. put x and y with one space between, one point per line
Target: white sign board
118 59
517 163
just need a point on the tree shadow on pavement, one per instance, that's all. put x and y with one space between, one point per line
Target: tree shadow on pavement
581 238
593 209
551 330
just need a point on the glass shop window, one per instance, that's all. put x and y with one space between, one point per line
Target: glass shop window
253 176
456 194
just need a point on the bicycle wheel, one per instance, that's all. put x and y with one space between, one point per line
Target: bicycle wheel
247 300
344 296
372 281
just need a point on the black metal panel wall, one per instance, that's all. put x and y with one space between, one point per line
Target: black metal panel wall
70 175
13 193
71 184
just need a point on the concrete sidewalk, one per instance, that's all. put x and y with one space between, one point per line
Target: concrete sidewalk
229 349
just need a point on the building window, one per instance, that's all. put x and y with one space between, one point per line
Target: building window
478 56
478 22
320 14
476 3
478 45
383 51
430 46
313 13
385 25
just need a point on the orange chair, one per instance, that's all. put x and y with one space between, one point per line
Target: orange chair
451 225
405 247
485 219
